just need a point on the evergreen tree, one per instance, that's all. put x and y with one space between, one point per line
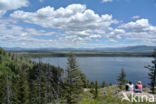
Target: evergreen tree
0 59
24 82
22 89
84 80
94 89
122 79
73 82
110 84
104 84
152 73
33 86
91 85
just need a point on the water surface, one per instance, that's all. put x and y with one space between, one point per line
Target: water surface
107 68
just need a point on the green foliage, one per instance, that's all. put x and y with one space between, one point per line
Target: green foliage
23 81
122 79
104 84
152 73
22 89
94 90
73 81
107 95
85 82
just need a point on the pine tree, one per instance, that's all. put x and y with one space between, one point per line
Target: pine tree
94 89
8 90
104 84
0 59
152 73
22 89
73 83
24 82
110 84
39 83
84 80
33 86
122 79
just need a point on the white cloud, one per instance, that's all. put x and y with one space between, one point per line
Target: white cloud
141 25
12 34
135 17
2 12
116 34
104 1
77 26
41 0
75 19
140 30
6 5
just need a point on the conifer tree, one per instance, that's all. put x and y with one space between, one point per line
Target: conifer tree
94 89
122 79
104 84
22 89
73 82
84 80
152 73
0 59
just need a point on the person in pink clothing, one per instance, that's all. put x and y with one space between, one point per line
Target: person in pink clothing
138 87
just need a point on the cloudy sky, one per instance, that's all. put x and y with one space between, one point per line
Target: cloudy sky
77 23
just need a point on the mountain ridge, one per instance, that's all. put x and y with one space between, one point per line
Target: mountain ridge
111 49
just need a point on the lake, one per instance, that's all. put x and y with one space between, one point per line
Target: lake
107 68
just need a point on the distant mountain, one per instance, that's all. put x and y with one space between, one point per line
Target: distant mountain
14 48
130 49
119 49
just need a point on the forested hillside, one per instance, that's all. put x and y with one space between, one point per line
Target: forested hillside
23 81
27 82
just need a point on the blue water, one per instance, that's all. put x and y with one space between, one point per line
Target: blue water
107 68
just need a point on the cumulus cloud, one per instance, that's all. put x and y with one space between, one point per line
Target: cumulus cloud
74 26
141 25
6 5
13 34
140 30
104 1
116 34
75 19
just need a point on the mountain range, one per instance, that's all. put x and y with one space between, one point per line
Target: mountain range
142 48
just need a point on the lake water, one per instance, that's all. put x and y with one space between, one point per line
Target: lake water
107 68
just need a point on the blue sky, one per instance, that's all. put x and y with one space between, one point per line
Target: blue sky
77 23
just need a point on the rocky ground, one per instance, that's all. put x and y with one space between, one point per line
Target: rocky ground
115 92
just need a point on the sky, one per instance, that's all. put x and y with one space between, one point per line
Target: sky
77 23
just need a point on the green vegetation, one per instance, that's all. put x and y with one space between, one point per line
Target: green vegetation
122 79
73 81
152 74
94 90
107 95
25 82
